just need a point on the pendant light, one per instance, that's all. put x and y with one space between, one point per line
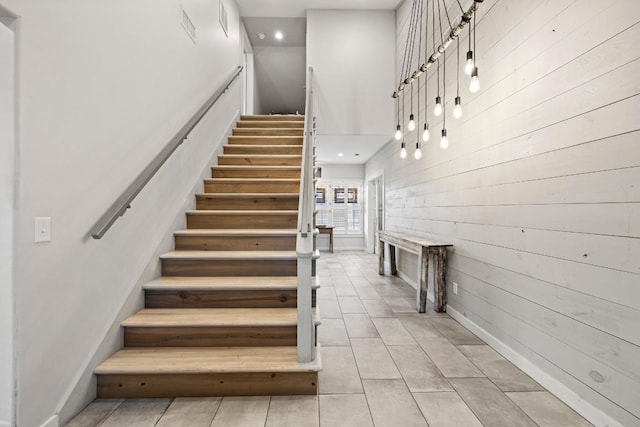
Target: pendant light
398 134
444 141
457 109
468 66
411 126
474 84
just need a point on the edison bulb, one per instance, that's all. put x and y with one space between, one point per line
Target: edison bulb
412 124
444 142
403 152
474 85
437 111
398 134
457 110
468 66
425 133
418 153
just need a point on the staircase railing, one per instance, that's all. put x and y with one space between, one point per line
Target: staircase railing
305 242
120 206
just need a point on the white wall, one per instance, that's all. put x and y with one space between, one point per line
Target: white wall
102 88
538 193
7 168
280 76
352 54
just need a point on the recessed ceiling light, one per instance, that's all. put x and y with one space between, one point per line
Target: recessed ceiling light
261 36
278 35
340 154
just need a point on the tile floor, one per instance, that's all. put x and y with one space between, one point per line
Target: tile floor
384 365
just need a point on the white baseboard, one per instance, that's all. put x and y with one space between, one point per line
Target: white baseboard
561 391
52 422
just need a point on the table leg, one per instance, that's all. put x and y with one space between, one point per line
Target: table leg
331 240
423 280
440 291
381 258
392 260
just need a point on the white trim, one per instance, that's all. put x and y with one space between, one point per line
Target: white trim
561 391
51 422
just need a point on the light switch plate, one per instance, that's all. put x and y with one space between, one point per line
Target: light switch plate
455 288
42 229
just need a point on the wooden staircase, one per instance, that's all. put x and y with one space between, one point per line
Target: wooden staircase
222 319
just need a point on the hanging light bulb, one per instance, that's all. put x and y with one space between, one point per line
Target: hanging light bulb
412 124
457 110
418 153
437 111
474 85
403 152
398 134
468 66
444 142
425 133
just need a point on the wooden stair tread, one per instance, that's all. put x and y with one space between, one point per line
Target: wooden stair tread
249 180
192 360
243 212
246 195
233 232
229 255
248 283
263 156
214 317
295 117
252 167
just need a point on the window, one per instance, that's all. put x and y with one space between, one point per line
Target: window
342 209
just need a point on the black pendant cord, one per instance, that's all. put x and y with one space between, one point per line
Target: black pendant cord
426 76
419 51
433 39
458 69
444 73
406 67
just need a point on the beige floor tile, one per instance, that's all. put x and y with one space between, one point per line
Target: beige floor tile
400 304
377 308
360 326
419 327
489 404
392 332
346 291
333 332
502 372
386 290
367 293
350 305
94 414
293 411
447 358
418 371
242 412
445 410
326 293
373 359
392 405
454 331
547 410
339 372
329 310
190 412
138 413
344 410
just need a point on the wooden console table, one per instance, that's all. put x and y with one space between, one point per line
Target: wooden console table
423 248
324 229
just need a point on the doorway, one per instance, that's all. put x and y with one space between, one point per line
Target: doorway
375 212
7 213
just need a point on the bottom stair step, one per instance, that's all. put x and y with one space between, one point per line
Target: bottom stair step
196 372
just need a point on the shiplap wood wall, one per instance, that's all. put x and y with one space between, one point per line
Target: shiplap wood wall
539 190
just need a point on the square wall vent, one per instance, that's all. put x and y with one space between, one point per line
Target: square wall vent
188 26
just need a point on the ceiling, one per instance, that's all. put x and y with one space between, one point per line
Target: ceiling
298 8
294 31
365 146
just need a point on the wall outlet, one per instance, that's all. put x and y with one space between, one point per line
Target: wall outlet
455 288
42 230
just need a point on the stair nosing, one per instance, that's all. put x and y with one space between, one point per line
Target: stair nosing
272 212
247 195
229 255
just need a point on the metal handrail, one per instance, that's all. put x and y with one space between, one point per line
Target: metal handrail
305 234
122 203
